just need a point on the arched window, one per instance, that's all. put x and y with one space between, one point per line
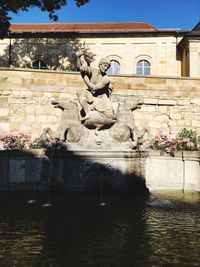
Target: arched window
114 68
143 67
39 64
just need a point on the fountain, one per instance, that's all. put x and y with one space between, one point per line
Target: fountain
98 151
96 133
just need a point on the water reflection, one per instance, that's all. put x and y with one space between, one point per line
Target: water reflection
172 229
160 231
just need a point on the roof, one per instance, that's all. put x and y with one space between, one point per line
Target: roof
194 34
196 28
83 27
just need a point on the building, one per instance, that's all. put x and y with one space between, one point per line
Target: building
134 48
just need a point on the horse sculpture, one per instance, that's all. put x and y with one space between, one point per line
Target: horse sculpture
124 129
69 128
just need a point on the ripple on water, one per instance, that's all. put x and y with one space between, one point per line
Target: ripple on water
160 231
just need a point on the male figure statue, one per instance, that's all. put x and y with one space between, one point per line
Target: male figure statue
97 95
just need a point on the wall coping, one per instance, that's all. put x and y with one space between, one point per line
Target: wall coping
183 155
119 75
101 153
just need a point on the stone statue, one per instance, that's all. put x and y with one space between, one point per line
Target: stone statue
125 130
97 109
69 128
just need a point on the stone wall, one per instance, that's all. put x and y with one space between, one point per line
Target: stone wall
170 103
80 173
85 173
168 173
25 169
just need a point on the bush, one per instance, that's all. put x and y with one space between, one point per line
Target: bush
185 140
19 141
188 140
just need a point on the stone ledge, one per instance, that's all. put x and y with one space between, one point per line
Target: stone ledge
23 154
181 172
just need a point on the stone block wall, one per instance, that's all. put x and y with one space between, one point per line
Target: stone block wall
173 173
25 169
85 173
170 103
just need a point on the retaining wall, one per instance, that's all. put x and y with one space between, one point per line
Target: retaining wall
170 103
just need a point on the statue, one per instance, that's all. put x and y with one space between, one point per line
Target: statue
69 128
125 130
97 109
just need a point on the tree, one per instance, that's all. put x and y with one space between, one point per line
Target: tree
57 53
16 6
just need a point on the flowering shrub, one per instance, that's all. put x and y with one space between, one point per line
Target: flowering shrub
188 140
165 144
185 140
36 143
19 141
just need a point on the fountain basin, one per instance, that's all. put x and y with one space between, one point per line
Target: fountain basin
86 173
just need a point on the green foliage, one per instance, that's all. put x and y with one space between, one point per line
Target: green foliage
16 6
36 143
188 140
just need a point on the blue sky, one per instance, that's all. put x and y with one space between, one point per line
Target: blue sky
178 14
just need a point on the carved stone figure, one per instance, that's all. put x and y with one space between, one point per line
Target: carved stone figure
97 109
70 127
124 129
145 139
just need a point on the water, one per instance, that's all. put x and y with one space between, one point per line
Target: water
162 230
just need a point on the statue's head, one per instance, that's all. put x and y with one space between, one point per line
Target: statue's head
104 61
104 64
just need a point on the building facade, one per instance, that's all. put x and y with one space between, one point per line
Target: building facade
133 48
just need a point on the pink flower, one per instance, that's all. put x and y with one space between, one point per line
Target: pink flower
168 149
157 138
190 144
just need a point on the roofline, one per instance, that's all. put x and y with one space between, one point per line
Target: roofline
189 36
196 26
74 25
91 33
73 30
98 29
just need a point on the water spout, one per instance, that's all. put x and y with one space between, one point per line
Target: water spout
32 199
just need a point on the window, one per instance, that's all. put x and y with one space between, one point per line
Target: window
114 68
143 67
39 64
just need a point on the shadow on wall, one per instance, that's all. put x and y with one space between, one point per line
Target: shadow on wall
52 54
74 174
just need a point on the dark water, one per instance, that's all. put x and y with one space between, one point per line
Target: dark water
162 230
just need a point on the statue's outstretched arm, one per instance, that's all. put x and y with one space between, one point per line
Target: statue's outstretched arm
82 64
